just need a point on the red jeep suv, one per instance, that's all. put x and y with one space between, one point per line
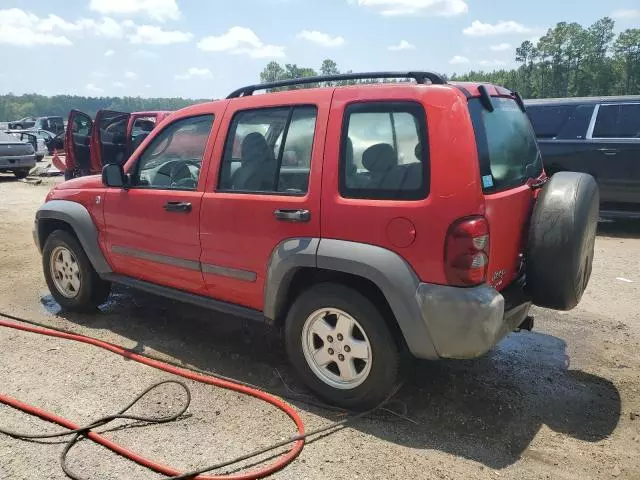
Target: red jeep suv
369 220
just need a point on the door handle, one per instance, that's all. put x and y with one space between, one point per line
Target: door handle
292 215
183 207
609 151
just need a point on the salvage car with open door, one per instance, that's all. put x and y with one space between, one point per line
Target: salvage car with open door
111 138
77 161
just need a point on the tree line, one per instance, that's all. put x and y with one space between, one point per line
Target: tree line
569 60
13 107
573 61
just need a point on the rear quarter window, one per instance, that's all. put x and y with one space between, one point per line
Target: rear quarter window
549 120
507 148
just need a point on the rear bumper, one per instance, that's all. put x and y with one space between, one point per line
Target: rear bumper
22 161
468 322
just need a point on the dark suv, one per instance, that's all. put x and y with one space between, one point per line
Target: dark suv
599 136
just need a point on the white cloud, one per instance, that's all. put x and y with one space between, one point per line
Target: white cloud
147 85
20 28
479 29
241 41
108 27
495 63
195 72
145 53
501 47
446 8
320 38
53 22
626 13
403 45
118 84
159 10
458 60
91 88
109 53
152 35
130 75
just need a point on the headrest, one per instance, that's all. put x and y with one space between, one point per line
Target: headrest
379 158
255 147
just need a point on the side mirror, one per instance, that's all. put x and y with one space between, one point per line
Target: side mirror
113 176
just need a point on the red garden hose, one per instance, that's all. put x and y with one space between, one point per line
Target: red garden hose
281 462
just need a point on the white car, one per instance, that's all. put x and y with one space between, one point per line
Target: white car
42 138
16 156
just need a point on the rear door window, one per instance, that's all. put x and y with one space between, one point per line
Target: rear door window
507 147
618 121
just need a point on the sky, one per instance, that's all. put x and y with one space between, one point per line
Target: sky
207 48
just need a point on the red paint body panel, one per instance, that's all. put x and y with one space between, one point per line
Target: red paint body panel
136 219
455 180
239 230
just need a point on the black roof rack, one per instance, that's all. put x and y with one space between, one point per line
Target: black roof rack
419 77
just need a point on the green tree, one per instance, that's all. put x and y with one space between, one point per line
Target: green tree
525 55
627 56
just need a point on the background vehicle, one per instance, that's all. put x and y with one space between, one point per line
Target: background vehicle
23 123
599 136
431 241
88 149
16 156
56 144
54 125
41 141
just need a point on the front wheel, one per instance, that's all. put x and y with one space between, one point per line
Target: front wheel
340 344
71 279
20 174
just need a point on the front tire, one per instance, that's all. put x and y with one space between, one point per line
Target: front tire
71 278
340 345
20 174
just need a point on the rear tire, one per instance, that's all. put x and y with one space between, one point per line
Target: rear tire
71 278
561 240
20 174
336 324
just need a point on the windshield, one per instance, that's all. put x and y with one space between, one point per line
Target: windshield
507 147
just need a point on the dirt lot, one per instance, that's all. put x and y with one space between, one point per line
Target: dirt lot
561 402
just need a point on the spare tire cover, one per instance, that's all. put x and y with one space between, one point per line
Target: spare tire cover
561 240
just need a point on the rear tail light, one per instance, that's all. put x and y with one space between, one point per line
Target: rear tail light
466 252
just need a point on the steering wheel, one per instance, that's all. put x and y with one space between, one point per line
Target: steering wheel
181 175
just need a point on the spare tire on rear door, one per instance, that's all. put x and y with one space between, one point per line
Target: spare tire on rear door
561 240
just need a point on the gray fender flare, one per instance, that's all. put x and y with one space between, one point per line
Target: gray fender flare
78 217
386 269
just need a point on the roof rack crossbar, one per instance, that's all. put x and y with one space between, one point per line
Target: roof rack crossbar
419 77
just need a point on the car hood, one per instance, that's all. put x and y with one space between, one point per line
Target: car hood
90 181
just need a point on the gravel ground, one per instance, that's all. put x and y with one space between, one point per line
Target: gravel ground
561 402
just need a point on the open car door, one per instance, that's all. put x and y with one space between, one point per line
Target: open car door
141 124
111 140
77 144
